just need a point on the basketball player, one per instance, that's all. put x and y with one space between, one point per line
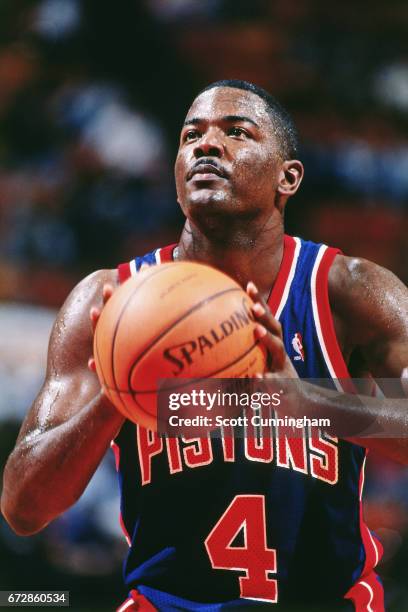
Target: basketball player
223 524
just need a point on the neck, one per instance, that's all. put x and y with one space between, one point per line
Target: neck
256 256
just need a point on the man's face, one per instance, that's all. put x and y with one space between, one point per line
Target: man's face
228 160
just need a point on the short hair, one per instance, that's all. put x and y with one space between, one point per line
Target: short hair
285 129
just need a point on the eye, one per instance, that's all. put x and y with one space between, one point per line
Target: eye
237 132
191 135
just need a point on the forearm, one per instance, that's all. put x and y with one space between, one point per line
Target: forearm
379 424
48 470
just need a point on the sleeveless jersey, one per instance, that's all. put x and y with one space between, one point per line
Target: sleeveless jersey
221 524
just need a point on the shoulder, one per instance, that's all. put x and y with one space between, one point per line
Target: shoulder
348 276
369 304
88 293
358 286
94 282
72 331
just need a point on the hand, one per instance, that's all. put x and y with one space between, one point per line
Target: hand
94 315
269 331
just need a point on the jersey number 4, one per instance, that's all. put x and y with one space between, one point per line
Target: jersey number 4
245 513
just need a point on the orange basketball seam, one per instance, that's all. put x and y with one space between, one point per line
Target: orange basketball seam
98 359
133 392
155 271
186 314
156 392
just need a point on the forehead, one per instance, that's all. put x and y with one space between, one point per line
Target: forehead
222 101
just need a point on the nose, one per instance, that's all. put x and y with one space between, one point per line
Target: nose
209 145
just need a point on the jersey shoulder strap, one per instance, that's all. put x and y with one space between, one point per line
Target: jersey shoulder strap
157 256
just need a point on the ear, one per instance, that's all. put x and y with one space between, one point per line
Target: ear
290 177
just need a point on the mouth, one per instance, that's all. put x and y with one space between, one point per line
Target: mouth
206 172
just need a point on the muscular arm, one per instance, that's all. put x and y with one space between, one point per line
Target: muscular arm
370 307
69 426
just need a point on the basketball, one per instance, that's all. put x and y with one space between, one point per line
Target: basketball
174 321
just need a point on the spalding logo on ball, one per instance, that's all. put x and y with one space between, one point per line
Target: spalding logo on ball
176 320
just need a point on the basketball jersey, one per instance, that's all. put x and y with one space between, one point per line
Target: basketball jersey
226 523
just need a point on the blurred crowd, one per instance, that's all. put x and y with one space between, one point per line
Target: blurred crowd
92 96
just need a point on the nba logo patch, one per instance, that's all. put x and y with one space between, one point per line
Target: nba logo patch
297 343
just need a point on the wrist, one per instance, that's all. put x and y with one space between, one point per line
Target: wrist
107 409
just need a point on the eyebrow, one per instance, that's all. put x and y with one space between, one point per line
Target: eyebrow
227 119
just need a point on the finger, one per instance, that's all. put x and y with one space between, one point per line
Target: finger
255 295
274 347
92 364
107 291
252 291
94 315
266 375
262 311
265 317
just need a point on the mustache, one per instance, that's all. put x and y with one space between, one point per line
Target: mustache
207 161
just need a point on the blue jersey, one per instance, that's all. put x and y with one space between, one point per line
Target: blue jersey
225 523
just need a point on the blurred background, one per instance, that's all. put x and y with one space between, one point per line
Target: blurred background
92 96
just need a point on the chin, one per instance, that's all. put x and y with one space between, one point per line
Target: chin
208 197
215 217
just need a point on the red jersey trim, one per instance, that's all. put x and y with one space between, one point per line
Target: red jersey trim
166 253
280 289
126 605
323 314
372 546
128 269
138 602
367 594
124 272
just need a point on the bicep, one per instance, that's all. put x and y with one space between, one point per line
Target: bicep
386 347
373 304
